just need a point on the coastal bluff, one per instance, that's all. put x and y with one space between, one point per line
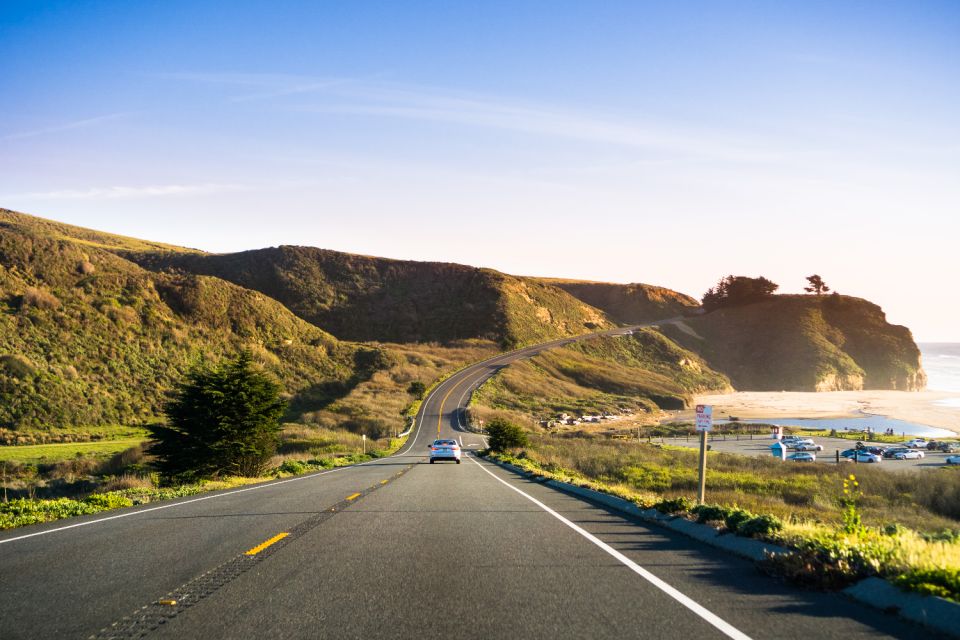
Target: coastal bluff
805 343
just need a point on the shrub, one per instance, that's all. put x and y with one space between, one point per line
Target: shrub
294 467
736 517
40 299
932 582
673 505
759 526
710 512
417 389
221 420
505 435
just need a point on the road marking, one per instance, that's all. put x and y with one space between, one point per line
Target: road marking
384 481
266 543
721 625
180 504
353 496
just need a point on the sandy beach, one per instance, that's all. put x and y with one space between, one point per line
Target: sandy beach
917 406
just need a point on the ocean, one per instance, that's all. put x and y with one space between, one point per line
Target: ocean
941 361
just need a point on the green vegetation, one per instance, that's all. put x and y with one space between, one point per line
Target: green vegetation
640 373
222 420
804 343
118 336
505 435
816 285
51 453
735 291
364 298
628 303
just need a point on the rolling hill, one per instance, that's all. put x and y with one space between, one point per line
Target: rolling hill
377 299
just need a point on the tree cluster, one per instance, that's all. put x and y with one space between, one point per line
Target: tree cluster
734 291
220 420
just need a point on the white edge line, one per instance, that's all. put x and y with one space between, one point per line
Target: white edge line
180 504
720 624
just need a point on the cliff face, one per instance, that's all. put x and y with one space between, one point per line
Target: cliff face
805 343
365 298
628 303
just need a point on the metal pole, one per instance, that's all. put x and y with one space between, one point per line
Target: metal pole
703 468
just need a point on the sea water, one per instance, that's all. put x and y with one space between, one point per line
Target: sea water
941 361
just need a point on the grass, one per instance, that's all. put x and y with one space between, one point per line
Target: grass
308 450
49 453
905 531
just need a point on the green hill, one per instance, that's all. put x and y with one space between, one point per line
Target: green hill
364 298
805 343
643 372
628 303
88 337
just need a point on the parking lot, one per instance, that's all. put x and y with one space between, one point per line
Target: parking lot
759 445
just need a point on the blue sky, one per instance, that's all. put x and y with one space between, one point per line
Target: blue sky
621 141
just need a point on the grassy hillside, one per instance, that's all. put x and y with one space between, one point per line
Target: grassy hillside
628 303
89 338
805 343
364 298
643 373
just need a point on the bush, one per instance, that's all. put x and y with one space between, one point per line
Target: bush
735 518
39 299
221 420
759 526
294 467
673 505
710 512
505 435
417 389
944 583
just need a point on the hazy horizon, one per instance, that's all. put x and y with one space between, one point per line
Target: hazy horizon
629 142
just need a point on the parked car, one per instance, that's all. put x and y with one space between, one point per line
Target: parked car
953 460
802 456
865 456
849 453
808 445
948 447
933 445
913 454
916 443
444 450
892 451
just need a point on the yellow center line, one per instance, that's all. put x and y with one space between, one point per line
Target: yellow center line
266 543
353 497
384 481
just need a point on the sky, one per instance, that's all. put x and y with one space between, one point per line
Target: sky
666 143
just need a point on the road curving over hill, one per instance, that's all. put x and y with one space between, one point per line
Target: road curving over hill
398 548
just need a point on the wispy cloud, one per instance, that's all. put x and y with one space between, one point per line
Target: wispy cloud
364 97
111 193
67 126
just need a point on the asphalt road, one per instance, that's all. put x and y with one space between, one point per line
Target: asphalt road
398 548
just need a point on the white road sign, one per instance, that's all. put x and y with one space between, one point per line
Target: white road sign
704 417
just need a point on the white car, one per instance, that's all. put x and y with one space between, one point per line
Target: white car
916 443
953 460
802 456
866 456
808 446
913 454
444 450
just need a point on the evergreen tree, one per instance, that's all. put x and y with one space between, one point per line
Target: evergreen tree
734 291
817 285
221 420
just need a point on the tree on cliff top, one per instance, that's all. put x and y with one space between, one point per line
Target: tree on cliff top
817 285
223 419
734 291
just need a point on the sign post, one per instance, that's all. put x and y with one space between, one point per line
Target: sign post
364 439
704 424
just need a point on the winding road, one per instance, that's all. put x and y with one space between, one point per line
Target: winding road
398 548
